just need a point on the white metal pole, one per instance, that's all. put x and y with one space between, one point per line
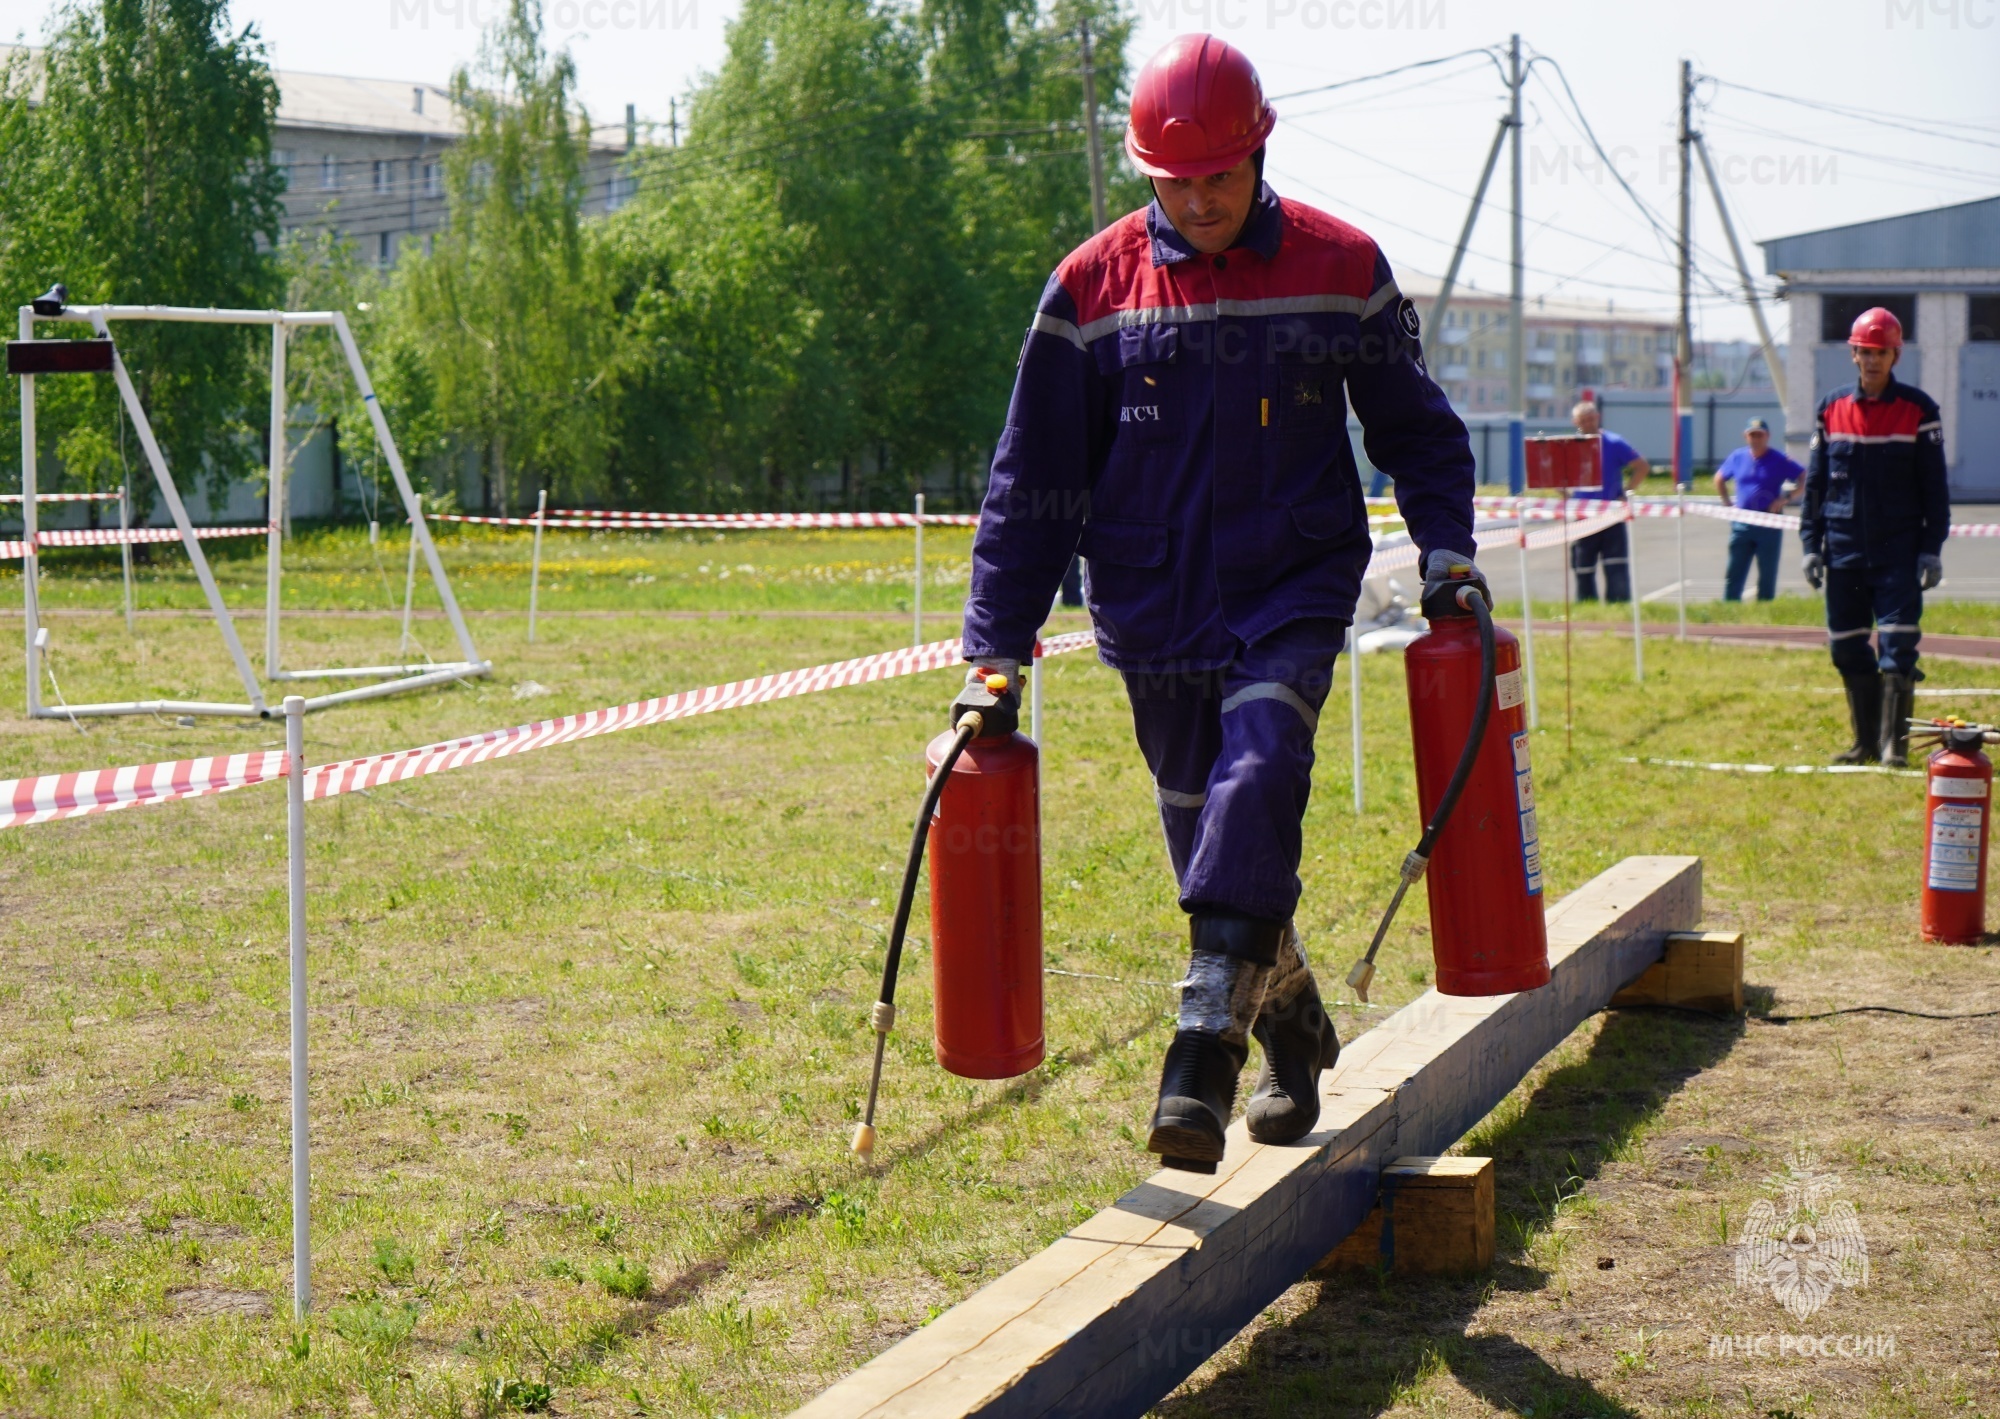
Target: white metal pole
918 598
387 443
31 611
1632 577
535 568
1354 695
295 852
1527 613
410 581
1035 695
125 547
274 535
1681 550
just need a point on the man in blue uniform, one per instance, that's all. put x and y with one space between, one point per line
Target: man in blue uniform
1760 474
1623 469
1877 511
1180 413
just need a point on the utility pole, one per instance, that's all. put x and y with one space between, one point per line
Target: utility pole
1097 218
1443 301
1684 332
631 126
674 121
1517 403
1771 361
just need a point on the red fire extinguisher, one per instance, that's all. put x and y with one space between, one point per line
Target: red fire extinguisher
1957 815
981 818
1481 847
986 909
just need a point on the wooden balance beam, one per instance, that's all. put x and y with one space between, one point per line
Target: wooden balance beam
1109 1319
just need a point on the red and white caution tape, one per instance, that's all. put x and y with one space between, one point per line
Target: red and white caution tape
63 497
114 536
72 795
37 800
713 522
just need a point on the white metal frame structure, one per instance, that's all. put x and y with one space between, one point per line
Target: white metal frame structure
392 679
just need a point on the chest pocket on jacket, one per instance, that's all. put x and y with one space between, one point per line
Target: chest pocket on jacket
1147 376
1307 400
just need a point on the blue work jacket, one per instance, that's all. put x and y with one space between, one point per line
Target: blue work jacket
1876 489
1181 419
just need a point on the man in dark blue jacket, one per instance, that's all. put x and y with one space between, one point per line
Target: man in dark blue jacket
1877 512
1180 414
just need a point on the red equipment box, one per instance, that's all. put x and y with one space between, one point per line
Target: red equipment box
1557 462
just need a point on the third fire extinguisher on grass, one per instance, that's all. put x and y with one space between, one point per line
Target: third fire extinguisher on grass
1958 817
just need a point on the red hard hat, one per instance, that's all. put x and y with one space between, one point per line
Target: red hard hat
1197 109
1876 329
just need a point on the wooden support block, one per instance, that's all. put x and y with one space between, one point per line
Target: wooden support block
1107 1320
1435 1219
1700 970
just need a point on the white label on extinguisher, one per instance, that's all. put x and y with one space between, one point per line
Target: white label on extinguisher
1524 794
1942 787
1955 844
1508 689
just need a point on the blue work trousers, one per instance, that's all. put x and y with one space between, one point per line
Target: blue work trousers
1609 547
1765 545
1231 753
1886 599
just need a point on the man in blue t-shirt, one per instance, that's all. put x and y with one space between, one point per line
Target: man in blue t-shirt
1760 474
1623 469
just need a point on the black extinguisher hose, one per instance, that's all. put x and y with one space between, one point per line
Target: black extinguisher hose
883 1018
1413 866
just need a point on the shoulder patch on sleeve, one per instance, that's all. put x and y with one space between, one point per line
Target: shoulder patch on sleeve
1406 316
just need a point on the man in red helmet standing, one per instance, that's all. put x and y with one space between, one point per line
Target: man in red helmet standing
1877 511
1180 413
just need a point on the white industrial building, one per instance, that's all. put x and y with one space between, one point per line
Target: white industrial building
1939 271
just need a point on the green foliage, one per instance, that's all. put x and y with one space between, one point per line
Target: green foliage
511 309
394 1261
142 175
623 1277
827 283
527 1396
371 1325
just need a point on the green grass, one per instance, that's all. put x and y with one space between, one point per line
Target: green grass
336 568
590 1026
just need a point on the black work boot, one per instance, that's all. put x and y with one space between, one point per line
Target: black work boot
1899 697
1864 708
1299 1041
1197 1092
1227 972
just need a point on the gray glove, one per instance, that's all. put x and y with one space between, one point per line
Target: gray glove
1930 571
1444 566
1815 570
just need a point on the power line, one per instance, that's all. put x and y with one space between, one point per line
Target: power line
1886 120
1487 51
1899 162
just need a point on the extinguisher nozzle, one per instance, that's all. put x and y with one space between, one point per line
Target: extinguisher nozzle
863 1146
1358 979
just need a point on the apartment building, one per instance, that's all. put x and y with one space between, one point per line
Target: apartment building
1569 346
365 157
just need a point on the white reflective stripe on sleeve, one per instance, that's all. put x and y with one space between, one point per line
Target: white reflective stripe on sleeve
1933 424
1871 438
1174 798
1272 690
1062 329
1384 294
